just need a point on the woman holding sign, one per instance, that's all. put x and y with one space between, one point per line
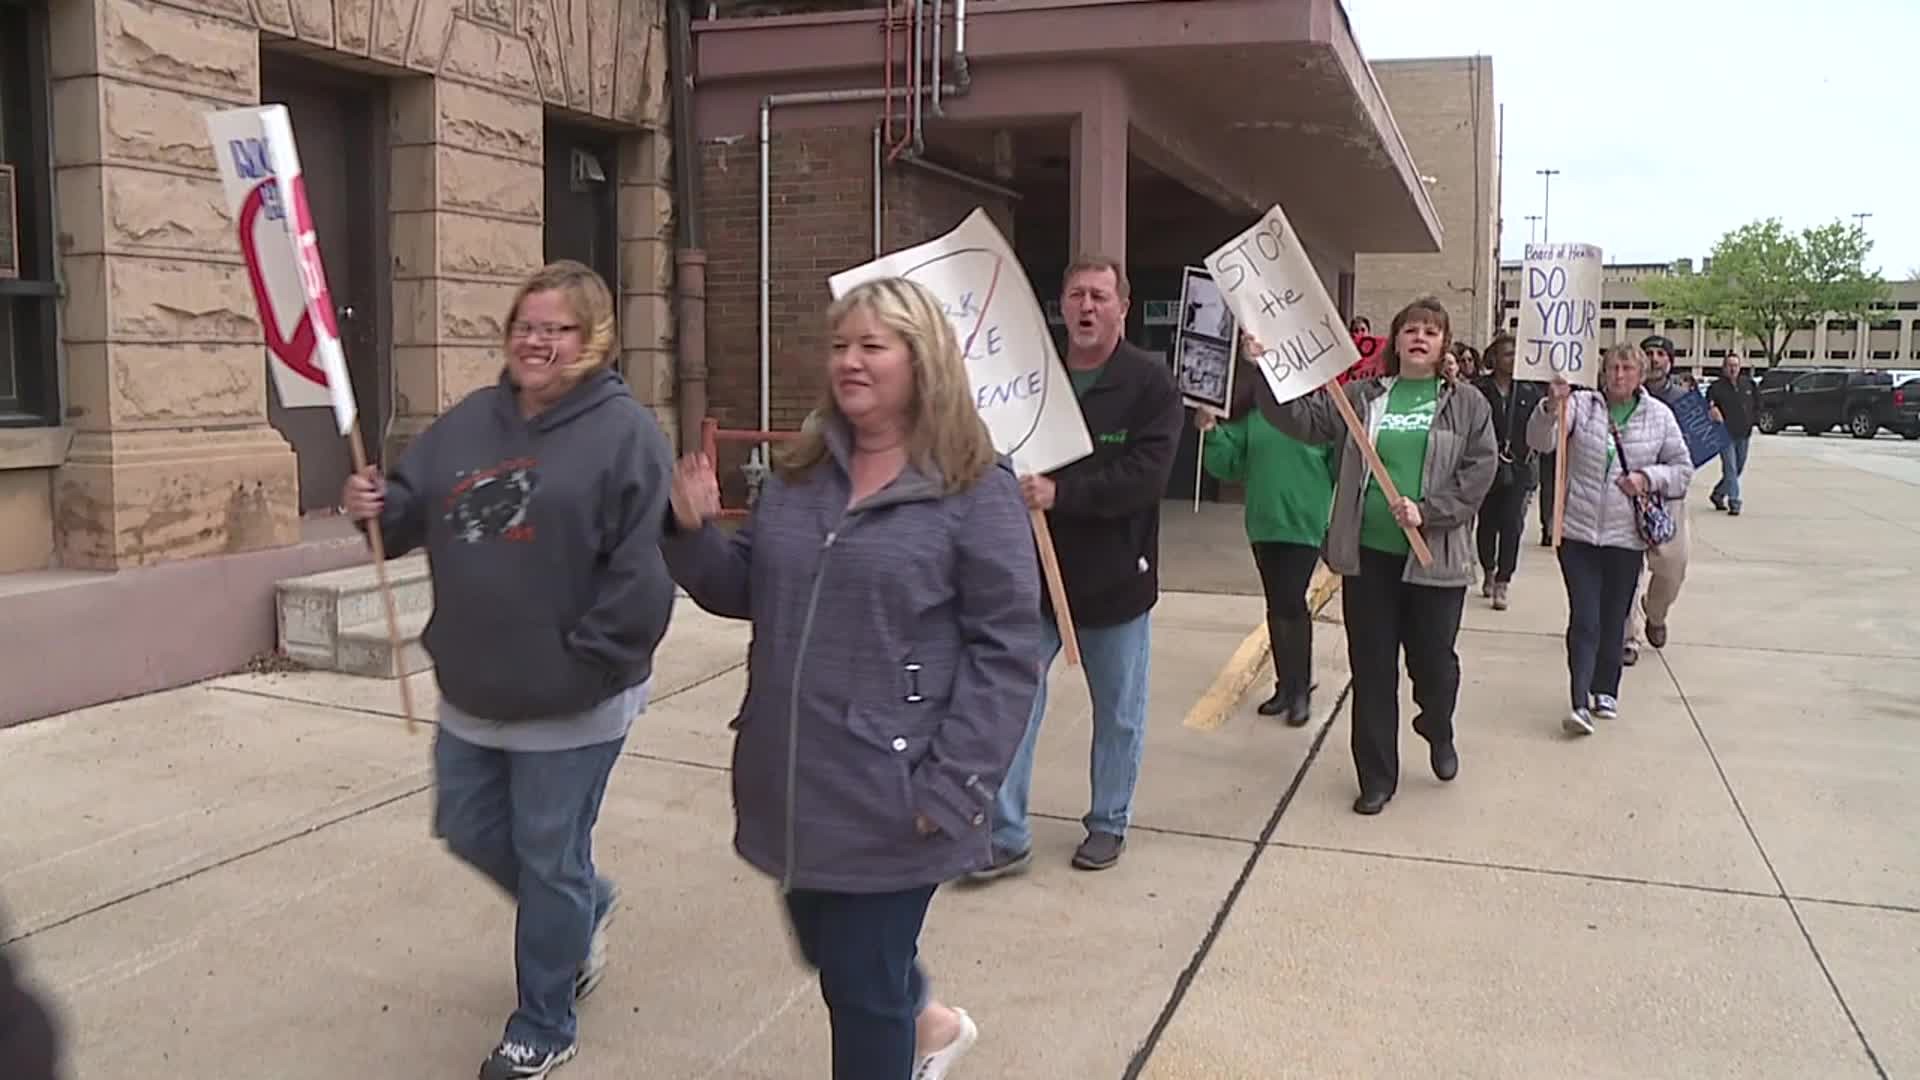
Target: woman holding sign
1436 441
890 574
1626 458
540 501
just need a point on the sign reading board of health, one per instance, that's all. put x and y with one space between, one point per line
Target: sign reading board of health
1559 314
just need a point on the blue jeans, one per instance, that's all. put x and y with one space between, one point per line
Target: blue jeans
865 946
1733 462
525 820
1116 661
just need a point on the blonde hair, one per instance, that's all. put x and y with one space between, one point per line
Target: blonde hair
945 433
592 305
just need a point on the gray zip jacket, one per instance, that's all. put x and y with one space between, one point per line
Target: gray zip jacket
1598 512
895 657
1462 456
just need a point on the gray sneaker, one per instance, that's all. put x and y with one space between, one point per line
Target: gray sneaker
1004 864
1099 851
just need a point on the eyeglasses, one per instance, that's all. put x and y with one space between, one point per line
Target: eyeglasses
545 329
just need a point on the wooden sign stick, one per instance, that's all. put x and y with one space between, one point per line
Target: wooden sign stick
1378 468
379 545
1042 536
1560 476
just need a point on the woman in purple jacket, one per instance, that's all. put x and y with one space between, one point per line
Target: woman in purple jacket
890 575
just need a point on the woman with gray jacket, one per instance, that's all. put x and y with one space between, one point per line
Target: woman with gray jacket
1602 550
890 575
1436 440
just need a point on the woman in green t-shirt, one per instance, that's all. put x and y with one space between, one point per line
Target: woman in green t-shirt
1436 441
1289 489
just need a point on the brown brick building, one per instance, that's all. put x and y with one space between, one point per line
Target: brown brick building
1445 109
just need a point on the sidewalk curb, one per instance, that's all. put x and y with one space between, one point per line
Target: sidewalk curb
1252 656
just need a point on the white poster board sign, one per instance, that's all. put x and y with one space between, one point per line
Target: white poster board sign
1559 314
267 196
1205 344
1019 384
1274 291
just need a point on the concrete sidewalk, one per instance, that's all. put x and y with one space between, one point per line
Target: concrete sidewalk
235 879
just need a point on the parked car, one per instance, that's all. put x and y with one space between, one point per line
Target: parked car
1781 376
1819 401
1903 409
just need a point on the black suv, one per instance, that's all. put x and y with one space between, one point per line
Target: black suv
1864 401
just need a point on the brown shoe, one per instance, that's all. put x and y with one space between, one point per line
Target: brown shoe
1099 851
1657 635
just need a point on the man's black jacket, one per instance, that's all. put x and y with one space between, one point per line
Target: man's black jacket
1106 507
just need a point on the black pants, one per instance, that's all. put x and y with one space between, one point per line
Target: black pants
1545 464
1502 522
866 946
1286 570
1384 616
1600 586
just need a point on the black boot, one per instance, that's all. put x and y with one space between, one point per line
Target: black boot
1299 709
1275 705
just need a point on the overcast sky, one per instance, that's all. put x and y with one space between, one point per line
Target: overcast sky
1673 121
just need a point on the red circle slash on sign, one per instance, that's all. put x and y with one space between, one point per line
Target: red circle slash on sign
295 350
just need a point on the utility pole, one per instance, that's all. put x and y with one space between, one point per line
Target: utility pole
1533 228
1546 205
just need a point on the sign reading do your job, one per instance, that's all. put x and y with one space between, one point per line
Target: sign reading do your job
1272 287
1559 314
1019 384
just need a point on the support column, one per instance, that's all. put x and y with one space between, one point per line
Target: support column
467 205
646 273
173 457
1100 174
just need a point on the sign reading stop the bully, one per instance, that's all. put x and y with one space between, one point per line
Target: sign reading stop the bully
260 169
1559 314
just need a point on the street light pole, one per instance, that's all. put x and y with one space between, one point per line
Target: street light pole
1546 205
1533 228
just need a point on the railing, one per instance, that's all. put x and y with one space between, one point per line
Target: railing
712 435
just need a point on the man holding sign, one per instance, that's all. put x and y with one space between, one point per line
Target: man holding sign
1104 514
1412 475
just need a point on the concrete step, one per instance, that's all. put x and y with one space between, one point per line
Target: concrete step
314 613
366 650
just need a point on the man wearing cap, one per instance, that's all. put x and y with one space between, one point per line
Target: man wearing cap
1667 564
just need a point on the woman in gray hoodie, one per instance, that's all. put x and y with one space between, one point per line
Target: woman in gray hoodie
540 501
890 575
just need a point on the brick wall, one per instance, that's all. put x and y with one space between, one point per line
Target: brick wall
821 202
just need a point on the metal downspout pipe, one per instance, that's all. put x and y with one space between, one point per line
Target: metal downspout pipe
689 257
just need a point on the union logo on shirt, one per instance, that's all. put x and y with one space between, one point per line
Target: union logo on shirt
1419 418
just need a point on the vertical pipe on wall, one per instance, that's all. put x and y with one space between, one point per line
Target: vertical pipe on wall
689 260
938 108
877 196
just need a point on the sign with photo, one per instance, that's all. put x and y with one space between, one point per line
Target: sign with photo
1205 344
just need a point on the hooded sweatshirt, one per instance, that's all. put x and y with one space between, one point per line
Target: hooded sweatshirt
550 593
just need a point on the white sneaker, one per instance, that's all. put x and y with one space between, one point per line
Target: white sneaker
1578 722
1606 707
937 1065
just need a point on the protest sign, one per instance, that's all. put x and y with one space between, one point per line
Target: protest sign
1559 334
1559 314
1273 289
1705 436
1019 385
1204 345
1372 363
260 170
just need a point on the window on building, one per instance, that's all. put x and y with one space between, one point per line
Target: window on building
1838 326
582 215
1797 354
1888 324
1608 324
28 378
1639 324
1682 352
1908 305
1839 354
1883 354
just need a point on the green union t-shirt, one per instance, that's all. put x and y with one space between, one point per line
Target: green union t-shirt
1402 443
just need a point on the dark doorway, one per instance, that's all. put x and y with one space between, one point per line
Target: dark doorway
340 127
582 215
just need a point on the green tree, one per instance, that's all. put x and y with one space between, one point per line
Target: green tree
1765 282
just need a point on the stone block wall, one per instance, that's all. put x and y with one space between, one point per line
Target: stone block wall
172 454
